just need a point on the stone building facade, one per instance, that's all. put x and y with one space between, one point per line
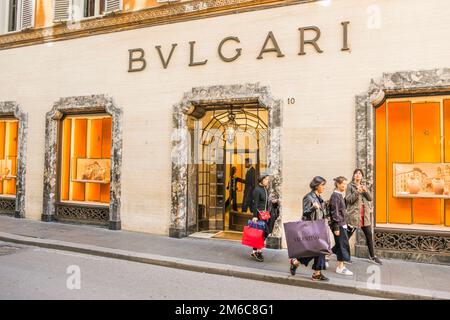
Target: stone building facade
132 114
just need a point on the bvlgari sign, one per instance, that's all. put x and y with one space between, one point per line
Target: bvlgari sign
308 36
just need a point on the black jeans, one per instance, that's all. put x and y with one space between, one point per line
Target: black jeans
341 249
369 239
319 262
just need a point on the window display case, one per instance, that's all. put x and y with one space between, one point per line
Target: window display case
91 170
8 156
7 168
413 161
85 163
422 180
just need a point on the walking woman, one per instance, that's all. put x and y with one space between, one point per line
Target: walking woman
313 209
262 202
359 211
338 225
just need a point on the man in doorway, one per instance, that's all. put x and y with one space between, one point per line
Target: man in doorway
232 186
249 185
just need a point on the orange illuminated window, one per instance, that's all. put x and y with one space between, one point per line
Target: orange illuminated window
8 156
412 131
85 159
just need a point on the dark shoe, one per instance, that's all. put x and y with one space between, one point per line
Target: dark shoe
319 277
293 267
375 260
261 257
256 256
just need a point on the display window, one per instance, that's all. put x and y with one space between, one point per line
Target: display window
85 159
412 171
8 157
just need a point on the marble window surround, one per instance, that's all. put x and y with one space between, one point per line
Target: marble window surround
405 83
83 104
180 147
12 108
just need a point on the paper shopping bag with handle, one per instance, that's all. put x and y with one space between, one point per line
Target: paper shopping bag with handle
307 238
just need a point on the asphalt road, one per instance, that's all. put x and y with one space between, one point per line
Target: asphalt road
35 273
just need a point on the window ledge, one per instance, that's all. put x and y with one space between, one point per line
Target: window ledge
413 228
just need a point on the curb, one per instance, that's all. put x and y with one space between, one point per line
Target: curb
360 288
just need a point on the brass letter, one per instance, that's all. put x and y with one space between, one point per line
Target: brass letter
192 63
276 48
238 51
138 59
165 63
345 39
312 42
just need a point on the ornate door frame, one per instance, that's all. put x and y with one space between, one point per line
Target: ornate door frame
180 146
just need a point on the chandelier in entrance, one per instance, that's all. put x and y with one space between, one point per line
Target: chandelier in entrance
230 127
228 123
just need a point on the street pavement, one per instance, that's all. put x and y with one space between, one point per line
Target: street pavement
38 273
394 279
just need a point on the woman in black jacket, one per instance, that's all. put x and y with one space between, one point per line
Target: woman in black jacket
262 202
313 209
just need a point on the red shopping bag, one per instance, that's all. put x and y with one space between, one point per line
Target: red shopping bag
253 237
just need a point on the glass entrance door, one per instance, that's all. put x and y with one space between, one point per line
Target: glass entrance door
242 170
229 148
210 197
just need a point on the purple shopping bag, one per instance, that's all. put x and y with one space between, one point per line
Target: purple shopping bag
307 238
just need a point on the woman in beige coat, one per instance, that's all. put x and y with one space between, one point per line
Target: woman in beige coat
358 201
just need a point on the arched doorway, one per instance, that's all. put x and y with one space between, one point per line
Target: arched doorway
231 153
244 100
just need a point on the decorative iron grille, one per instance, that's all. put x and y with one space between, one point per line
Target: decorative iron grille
7 206
92 215
410 242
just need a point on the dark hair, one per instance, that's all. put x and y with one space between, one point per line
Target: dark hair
339 180
316 182
357 170
262 177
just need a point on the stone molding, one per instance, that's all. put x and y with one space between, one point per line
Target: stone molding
12 108
115 22
404 83
180 147
82 104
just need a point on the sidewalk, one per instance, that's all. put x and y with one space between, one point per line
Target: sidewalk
397 279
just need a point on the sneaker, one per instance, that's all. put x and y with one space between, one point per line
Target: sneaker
255 256
319 277
260 255
293 267
375 260
344 271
